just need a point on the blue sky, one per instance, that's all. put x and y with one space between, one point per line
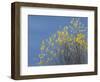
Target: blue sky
41 27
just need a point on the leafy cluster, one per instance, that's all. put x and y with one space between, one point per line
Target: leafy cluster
67 46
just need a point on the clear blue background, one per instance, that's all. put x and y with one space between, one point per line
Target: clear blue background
41 27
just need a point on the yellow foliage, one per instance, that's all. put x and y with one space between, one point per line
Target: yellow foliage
62 37
80 35
51 40
80 39
69 39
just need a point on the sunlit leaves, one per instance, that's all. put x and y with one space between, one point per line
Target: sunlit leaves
80 39
68 42
62 37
